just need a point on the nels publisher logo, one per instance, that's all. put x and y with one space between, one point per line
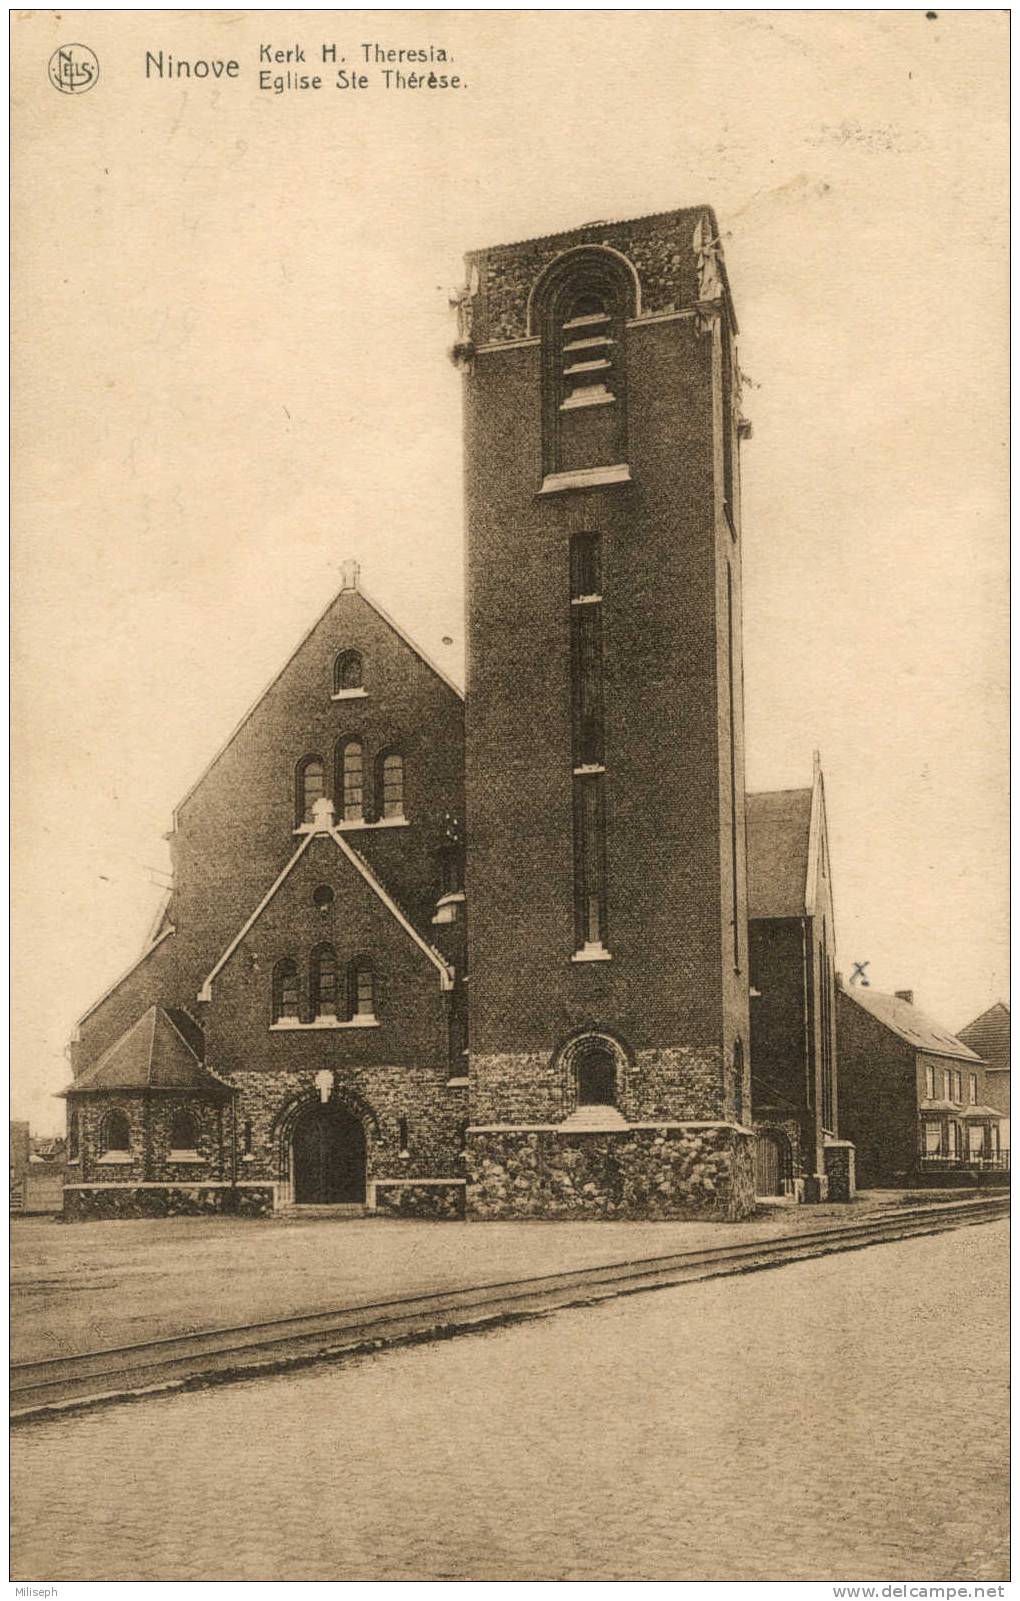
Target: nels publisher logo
73 69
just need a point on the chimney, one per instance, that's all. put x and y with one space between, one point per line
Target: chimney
905 995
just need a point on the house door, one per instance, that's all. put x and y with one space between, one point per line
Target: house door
328 1155
767 1165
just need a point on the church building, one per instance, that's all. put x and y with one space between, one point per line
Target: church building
482 956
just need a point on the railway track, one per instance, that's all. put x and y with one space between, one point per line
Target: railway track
218 1354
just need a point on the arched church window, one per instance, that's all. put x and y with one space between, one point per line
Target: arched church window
323 981
360 988
391 784
348 672
311 786
183 1133
352 781
285 991
116 1133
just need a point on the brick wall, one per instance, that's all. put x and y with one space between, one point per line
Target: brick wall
672 978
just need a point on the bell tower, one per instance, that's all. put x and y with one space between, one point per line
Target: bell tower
606 872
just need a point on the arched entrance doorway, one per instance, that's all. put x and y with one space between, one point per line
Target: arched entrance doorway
596 1075
768 1164
328 1156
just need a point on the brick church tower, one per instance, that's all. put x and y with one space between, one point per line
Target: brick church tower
606 872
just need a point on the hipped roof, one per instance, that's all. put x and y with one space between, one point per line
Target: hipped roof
152 1054
907 1021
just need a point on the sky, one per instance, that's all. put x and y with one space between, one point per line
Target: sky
231 322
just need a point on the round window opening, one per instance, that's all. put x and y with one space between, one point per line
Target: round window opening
323 897
596 1077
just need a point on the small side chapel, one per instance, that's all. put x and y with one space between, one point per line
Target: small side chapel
482 955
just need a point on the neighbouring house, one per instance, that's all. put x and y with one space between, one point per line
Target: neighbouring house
793 997
37 1170
988 1035
913 1097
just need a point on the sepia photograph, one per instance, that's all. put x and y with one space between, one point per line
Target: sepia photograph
510 565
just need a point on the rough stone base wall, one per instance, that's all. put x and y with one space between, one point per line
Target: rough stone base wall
434 1110
667 1084
840 1171
637 1173
88 1203
435 1201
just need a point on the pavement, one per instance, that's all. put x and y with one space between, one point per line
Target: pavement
90 1286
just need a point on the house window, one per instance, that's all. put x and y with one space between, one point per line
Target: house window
311 787
932 1139
976 1135
958 1085
322 977
352 778
972 1089
73 1134
361 988
954 1139
116 1133
182 1132
596 1077
929 1082
348 672
391 784
285 991
949 1084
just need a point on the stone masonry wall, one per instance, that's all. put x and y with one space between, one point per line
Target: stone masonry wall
89 1203
441 1202
638 1173
671 1083
436 1113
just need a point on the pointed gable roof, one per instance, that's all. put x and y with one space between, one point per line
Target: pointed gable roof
989 1036
152 1054
351 585
787 849
358 862
778 839
909 1023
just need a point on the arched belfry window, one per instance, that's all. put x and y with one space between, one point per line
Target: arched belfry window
580 308
586 353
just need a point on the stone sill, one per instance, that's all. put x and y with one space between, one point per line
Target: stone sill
457 1083
184 1158
350 827
585 478
116 1159
592 953
586 600
294 1025
628 1128
349 694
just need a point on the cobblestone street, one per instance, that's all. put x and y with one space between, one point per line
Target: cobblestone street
790 1424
